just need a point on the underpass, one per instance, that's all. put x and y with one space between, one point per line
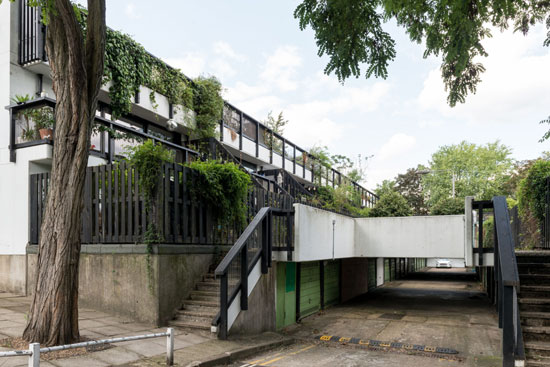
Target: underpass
421 320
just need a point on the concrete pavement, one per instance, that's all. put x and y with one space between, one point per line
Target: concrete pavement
95 325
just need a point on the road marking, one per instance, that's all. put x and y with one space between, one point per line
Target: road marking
287 355
385 344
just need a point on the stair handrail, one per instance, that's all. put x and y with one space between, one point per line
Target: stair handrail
241 250
507 278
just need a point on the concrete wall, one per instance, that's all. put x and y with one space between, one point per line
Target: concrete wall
314 234
144 287
13 273
421 237
354 278
430 236
260 315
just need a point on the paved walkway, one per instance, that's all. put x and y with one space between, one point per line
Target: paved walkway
98 325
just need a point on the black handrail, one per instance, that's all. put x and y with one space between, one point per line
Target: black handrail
246 246
507 279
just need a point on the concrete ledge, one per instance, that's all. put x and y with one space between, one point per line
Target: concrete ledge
160 249
236 355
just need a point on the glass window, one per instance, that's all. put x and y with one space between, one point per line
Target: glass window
249 128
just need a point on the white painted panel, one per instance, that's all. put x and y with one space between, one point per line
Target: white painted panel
313 234
235 307
277 160
264 154
249 147
429 236
230 137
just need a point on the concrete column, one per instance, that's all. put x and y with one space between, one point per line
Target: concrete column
379 271
468 231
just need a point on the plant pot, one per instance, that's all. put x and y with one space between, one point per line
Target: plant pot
46 133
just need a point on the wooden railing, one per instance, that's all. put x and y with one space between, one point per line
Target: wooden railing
114 207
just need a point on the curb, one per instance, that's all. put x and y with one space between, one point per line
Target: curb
234 356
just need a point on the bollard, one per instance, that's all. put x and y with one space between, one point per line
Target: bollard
34 358
170 347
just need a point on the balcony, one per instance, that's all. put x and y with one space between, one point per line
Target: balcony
32 123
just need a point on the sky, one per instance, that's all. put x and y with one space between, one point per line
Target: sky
266 63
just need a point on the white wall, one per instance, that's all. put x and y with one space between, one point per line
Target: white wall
314 234
429 237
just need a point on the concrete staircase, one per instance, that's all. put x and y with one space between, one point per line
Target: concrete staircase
201 307
534 305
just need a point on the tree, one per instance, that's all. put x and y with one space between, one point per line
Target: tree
351 34
277 126
476 170
409 184
76 63
532 190
391 204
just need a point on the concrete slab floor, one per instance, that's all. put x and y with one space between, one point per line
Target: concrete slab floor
439 309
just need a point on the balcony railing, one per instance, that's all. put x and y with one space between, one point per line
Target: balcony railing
32 34
109 143
243 132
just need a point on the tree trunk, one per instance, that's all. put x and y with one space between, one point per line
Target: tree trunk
76 69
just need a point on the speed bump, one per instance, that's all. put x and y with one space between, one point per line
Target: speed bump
385 344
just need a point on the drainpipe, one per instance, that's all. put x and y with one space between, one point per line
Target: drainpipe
333 230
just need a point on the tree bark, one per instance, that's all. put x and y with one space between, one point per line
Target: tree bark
76 69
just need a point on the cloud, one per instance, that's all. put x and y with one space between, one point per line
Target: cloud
281 67
191 64
224 49
130 11
397 145
512 86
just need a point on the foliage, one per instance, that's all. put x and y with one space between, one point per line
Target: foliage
277 125
532 190
128 66
148 159
43 118
391 204
478 170
351 34
409 184
354 171
223 187
448 206
208 105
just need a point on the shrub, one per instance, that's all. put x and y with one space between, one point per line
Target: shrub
532 190
391 204
223 187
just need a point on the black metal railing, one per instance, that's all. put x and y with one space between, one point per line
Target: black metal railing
114 207
270 230
503 284
302 164
32 34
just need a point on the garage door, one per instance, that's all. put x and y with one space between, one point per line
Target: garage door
310 288
332 282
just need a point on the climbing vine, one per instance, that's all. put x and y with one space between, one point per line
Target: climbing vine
128 66
223 187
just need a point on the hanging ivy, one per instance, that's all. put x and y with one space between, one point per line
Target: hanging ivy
223 187
128 66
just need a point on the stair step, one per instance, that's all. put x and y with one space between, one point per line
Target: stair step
201 303
210 312
533 257
206 293
535 318
534 268
534 279
208 286
200 308
190 325
203 319
536 333
198 297
534 291
537 349
209 276
538 361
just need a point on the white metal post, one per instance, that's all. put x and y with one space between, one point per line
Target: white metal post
170 347
34 358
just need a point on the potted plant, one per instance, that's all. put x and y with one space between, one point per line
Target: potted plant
44 122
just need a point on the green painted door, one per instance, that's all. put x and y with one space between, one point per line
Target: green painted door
386 270
310 288
286 294
332 282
